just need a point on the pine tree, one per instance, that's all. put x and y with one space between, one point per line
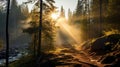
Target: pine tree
113 11
47 26
24 10
62 12
3 9
15 15
69 14
95 12
79 8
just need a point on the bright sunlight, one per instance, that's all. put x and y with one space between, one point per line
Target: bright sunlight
54 16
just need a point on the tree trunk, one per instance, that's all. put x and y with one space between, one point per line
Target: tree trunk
7 34
40 31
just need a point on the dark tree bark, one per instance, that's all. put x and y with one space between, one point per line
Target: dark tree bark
7 34
40 30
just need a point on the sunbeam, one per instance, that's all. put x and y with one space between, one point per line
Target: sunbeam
71 34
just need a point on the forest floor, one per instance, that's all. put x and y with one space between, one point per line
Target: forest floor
69 58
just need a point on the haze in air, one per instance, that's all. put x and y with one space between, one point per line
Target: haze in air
59 33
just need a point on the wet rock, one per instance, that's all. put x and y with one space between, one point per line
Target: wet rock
105 44
68 57
98 45
68 51
108 60
107 65
118 55
114 38
78 65
116 64
48 64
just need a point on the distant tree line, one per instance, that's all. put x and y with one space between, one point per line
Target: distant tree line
96 16
16 15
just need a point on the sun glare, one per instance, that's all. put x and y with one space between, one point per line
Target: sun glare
54 16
